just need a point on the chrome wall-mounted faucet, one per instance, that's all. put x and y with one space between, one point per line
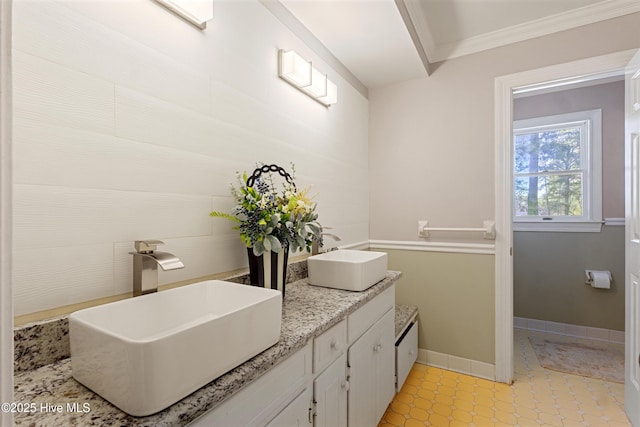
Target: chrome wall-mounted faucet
145 266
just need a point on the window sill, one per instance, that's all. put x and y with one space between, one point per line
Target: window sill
559 226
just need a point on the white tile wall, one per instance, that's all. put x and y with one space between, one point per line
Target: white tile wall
49 93
130 124
59 276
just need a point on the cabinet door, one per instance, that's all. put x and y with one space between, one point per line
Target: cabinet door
330 394
385 364
296 414
371 373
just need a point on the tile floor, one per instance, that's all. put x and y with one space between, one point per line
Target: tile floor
538 397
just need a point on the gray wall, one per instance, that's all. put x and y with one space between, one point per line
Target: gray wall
548 276
549 267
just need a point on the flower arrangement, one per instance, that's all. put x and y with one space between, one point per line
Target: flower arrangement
268 219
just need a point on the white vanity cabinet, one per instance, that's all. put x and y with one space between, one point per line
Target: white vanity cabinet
359 385
263 401
330 395
296 414
372 373
343 377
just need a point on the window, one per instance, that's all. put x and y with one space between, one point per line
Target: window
557 172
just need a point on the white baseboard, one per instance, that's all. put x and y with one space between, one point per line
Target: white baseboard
598 334
457 364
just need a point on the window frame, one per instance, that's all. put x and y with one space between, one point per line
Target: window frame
591 159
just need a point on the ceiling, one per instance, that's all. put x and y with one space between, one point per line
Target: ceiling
386 41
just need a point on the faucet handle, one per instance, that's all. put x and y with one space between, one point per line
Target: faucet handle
147 246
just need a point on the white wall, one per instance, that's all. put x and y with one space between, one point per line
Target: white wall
431 153
130 123
432 139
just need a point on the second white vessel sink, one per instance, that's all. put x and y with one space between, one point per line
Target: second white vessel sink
347 269
146 353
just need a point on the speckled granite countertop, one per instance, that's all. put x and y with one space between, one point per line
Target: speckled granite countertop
404 314
307 312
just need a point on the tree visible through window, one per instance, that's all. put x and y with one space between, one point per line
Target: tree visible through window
548 171
556 168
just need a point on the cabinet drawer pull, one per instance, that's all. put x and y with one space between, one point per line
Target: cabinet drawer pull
334 344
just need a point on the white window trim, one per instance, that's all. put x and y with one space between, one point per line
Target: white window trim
559 226
592 198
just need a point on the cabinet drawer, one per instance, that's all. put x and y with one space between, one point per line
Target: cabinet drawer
328 346
259 401
369 313
406 354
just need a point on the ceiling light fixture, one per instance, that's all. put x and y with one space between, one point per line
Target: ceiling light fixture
196 12
301 74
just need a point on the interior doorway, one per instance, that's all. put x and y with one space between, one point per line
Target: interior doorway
504 87
569 207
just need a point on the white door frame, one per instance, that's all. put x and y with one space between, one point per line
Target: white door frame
504 86
6 303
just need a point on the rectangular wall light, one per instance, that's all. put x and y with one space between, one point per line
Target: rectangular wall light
196 12
301 74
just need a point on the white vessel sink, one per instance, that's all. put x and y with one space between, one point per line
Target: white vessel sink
347 269
146 353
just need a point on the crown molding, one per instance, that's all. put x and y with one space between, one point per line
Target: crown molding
586 15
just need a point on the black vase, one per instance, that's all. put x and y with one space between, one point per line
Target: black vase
269 270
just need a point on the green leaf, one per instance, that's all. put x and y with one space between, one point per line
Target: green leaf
224 215
274 244
258 249
315 228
